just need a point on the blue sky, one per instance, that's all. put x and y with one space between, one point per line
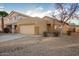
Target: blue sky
26 6
31 9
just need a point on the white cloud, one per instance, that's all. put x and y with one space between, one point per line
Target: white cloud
2 8
38 12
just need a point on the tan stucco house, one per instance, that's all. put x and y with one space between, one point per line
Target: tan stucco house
54 24
25 24
33 25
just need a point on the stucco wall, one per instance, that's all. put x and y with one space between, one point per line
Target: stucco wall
77 29
41 24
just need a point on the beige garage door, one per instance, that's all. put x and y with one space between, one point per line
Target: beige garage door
27 29
77 29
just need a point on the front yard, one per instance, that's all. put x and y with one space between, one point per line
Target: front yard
41 46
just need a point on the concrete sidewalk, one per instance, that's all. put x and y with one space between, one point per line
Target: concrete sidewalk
6 37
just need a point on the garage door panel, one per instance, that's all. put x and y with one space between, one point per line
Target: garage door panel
27 29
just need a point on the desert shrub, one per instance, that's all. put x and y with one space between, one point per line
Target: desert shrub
69 32
73 29
6 30
0 31
45 34
56 33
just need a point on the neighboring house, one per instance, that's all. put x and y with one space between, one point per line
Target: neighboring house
72 27
77 28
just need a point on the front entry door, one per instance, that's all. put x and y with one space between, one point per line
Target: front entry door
49 27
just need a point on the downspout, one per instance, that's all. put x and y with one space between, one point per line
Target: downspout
2 24
13 28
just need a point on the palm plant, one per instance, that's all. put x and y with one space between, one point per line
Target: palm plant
2 15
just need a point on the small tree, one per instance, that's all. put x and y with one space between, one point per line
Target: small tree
64 12
3 14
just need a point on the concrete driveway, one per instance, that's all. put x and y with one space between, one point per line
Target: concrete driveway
6 37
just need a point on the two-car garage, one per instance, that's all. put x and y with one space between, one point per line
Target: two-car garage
30 25
27 29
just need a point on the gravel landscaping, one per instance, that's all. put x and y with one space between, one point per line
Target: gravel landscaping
41 46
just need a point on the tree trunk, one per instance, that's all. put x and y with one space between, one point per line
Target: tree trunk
61 30
2 21
53 26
